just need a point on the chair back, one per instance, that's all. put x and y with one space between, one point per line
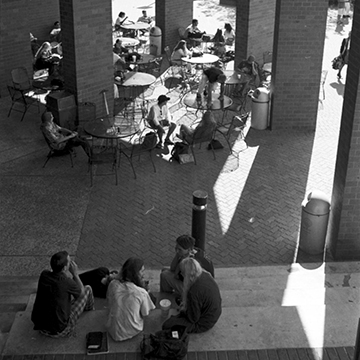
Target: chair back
20 78
204 131
267 57
154 66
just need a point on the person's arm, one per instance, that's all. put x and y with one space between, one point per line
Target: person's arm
193 308
73 269
167 114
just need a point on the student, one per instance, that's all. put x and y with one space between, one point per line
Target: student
229 34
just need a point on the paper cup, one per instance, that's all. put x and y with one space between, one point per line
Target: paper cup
165 305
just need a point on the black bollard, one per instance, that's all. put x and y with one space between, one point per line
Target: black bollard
357 343
199 218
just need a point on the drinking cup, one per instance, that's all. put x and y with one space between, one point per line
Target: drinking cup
165 305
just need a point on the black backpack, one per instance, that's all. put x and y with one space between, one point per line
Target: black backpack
178 149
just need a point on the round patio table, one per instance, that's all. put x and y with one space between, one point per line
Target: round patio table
204 59
112 129
136 78
145 58
129 42
189 100
136 26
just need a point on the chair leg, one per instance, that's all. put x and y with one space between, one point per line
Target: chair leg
71 158
116 174
150 153
47 158
193 153
91 173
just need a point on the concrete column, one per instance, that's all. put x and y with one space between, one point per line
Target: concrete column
170 16
344 230
86 27
297 61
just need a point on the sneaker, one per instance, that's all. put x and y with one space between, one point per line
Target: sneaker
168 142
159 145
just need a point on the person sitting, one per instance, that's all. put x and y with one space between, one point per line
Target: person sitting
61 298
128 301
229 34
123 20
205 127
158 117
119 49
201 300
171 279
211 77
55 33
45 59
180 51
193 31
60 138
145 19
250 75
219 44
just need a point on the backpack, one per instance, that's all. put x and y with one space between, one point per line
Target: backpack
169 344
179 148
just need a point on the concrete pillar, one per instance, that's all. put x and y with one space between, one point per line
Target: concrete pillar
344 230
86 27
170 16
297 61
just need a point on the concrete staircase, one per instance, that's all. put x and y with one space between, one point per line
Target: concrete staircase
270 307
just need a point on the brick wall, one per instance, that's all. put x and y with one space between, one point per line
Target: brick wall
344 225
171 15
297 62
87 47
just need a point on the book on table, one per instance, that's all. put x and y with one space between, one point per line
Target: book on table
97 343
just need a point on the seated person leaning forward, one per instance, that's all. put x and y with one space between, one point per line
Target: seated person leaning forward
204 128
158 117
60 138
45 59
171 279
128 301
211 77
201 301
249 71
61 298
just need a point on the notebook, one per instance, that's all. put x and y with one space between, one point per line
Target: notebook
97 343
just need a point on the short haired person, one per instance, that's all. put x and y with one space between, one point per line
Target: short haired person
171 279
128 301
60 138
211 77
158 117
201 300
145 18
61 298
193 31
248 70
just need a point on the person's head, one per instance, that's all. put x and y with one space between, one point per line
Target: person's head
221 78
251 59
228 27
133 271
208 118
57 25
47 117
181 45
162 100
60 261
121 14
184 245
118 43
195 22
144 13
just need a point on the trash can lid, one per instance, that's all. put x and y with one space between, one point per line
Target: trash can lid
261 94
316 203
155 31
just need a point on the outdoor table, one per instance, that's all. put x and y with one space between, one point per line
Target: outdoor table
129 42
136 79
111 129
145 58
232 79
201 60
136 26
190 101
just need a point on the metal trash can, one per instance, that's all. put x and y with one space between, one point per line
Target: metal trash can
314 222
155 41
260 108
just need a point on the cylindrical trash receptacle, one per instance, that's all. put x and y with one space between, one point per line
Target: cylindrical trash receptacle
63 107
314 222
260 108
155 41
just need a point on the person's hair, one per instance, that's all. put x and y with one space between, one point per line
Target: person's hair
44 45
195 21
180 45
46 116
251 58
121 14
144 12
56 23
130 271
58 261
186 242
191 270
228 27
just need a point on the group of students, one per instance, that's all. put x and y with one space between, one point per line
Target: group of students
63 294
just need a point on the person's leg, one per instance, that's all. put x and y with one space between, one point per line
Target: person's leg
160 131
168 283
186 133
172 127
178 320
339 72
202 84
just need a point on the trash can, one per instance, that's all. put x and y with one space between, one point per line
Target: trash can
63 107
260 108
314 222
155 41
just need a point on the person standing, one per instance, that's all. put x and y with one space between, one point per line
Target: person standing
344 53
158 117
61 298
201 300
129 302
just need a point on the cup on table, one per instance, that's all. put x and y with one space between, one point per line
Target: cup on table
165 305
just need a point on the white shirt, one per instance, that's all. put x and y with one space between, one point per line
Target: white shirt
156 113
128 304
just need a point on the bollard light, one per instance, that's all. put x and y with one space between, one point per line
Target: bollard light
199 218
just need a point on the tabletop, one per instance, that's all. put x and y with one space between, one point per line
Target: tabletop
111 129
204 59
137 78
129 42
136 26
189 100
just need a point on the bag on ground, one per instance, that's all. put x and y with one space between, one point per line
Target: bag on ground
179 149
337 62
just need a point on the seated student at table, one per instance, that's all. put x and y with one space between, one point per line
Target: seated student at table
219 44
122 20
128 301
180 51
207 124
229 34
119 49
211 77
193 32
250 74
59 137
158 117
144 19
121 65
45 59
201 300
